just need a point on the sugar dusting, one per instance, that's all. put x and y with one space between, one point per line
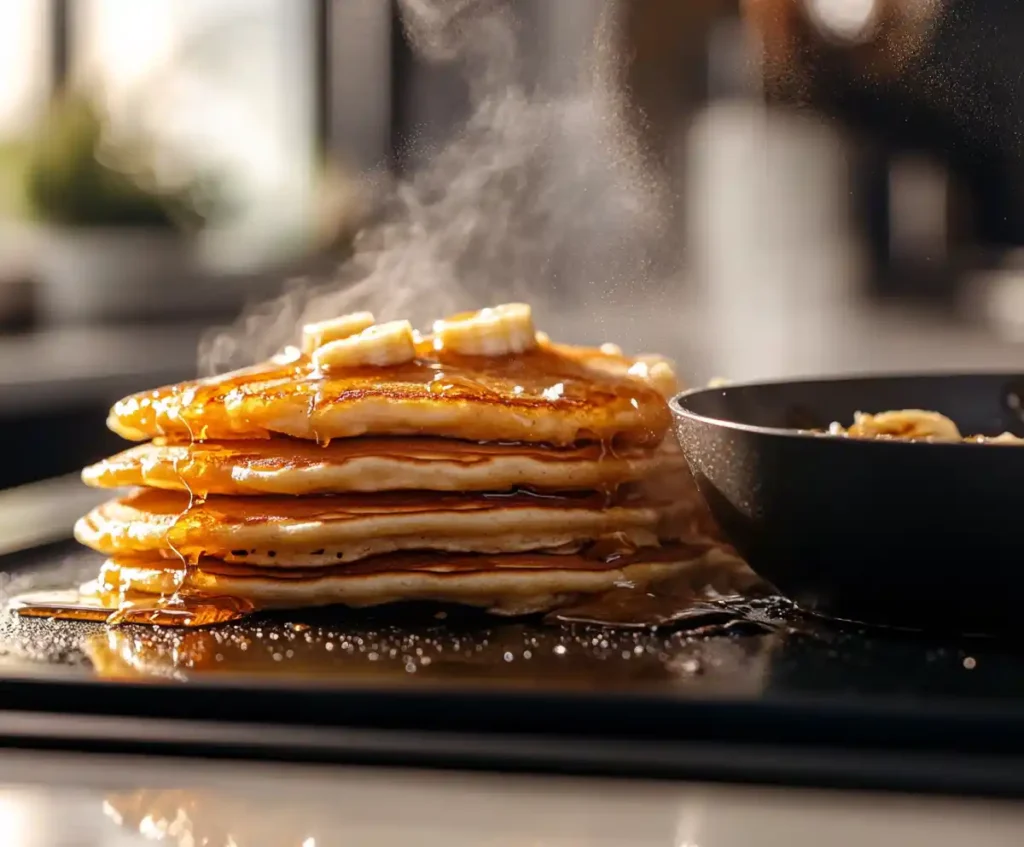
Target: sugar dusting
537 197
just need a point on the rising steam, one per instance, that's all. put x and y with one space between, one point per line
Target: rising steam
537 198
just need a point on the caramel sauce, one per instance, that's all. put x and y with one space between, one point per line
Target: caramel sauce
249 403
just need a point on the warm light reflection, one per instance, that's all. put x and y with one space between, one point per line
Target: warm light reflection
15 819
849 20
23 63
224 87
123 41
690 823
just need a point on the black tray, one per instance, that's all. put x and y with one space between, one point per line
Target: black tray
792 701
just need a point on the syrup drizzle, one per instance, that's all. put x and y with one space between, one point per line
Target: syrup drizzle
115 604
184 606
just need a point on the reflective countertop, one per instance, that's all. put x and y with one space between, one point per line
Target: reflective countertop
93 801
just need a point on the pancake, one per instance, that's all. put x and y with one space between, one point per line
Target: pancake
541 395
290 466
510 584
284 532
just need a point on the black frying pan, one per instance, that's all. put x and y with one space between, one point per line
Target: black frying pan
906 534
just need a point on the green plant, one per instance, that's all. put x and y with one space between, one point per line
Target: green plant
76 176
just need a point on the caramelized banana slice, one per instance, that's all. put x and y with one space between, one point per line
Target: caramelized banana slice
379 346
499 331
318 334
905 423
658 372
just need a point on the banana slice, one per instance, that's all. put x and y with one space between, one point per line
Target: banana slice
379 346
904 423
499 331
657 372
318 334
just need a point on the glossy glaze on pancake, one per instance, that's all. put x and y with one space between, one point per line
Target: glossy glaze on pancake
287 532
544 395
290 466
504 584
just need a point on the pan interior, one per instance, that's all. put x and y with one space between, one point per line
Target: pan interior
986 404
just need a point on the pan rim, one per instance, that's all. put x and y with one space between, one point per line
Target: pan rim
679 410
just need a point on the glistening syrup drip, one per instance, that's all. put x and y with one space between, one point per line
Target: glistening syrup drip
315 403
173 603
183 606
443 383
183 611
111 604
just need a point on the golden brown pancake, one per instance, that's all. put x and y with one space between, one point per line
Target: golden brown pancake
541 395
505 584
291 466
317 531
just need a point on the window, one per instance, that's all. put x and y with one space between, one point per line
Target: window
25 63
231 86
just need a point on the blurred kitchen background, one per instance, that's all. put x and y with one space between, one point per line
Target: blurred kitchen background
840 182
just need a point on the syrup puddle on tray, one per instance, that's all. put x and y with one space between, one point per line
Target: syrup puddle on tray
176 611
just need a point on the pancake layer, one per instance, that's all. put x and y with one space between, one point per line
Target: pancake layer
285 532
504 584
293 467
549 394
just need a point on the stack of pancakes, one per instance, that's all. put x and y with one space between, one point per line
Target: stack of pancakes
481 464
